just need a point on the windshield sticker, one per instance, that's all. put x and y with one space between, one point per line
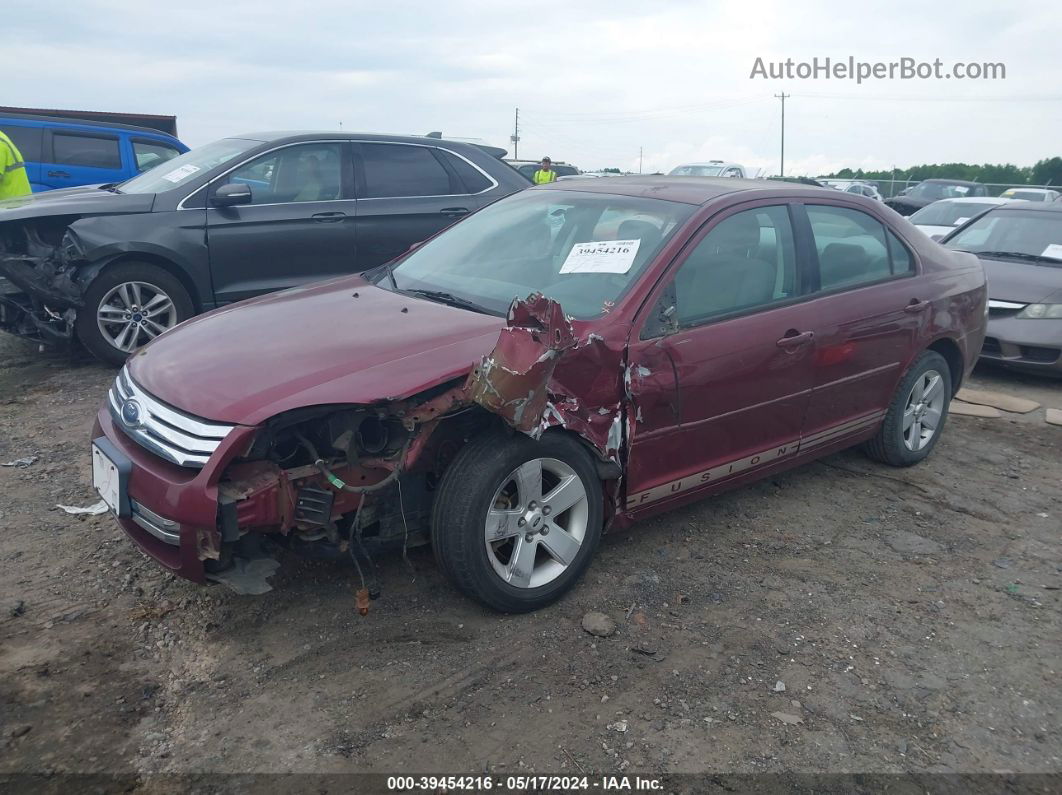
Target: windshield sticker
604 256
181 173
1053 250
959 221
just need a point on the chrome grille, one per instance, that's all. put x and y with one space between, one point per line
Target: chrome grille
185 440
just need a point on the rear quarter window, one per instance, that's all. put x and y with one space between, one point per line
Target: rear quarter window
472 178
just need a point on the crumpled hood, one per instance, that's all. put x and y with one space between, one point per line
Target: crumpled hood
82 200
309 346
1023 282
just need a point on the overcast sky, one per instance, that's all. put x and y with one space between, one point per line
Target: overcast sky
594 81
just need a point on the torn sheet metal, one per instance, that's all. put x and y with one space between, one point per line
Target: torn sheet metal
512 380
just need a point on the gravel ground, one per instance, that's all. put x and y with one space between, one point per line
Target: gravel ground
843 617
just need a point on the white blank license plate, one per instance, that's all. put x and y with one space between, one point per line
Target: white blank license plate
106 479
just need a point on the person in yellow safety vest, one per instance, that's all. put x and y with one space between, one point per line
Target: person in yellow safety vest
13 179
545 174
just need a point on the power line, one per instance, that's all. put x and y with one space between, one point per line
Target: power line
596 117
933 98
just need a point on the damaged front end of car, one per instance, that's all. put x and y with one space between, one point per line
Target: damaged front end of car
345 481
41 279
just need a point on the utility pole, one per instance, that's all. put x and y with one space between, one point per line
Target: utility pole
515 137
783 96
639 160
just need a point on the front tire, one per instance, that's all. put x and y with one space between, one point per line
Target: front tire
915 417
127 306
516 521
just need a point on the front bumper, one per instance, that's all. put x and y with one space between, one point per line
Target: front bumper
1028 345
175 509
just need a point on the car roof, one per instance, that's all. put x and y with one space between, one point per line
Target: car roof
952 181
687 190
275 136
67 121
1032 190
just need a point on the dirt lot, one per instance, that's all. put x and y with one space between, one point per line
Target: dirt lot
912 615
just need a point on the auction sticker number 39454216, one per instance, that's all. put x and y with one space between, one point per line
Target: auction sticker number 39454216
605 256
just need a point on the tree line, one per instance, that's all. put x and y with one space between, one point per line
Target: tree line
1044 172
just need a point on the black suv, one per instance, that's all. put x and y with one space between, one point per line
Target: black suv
927 191
116 265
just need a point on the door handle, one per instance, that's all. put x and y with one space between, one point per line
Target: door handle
916 305
65 174
454 212
794 339
328 218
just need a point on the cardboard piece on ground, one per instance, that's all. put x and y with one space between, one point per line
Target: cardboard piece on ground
972 410
1054 416
999 400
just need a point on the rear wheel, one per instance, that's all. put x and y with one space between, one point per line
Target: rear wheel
516 521
915 418
127 306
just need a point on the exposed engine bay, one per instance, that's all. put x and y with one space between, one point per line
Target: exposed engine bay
339 481
42 279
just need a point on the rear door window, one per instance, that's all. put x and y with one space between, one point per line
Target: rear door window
400 170
26 139
93 151
852 248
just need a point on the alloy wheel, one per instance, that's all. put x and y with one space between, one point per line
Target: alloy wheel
924 408
536 523
132 314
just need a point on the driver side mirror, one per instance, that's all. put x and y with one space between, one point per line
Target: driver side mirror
232 194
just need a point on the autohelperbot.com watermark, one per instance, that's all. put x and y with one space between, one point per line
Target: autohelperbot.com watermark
851 68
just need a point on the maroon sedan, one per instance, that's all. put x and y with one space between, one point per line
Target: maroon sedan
672 338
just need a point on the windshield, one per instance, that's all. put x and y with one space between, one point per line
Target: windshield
696 171
948 213
938 190
583 249
1030 233
186 167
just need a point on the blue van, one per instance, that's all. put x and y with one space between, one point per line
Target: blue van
64 153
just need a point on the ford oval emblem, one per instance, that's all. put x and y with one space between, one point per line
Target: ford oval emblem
131 413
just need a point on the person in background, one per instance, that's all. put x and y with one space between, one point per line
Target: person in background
545 173
13 179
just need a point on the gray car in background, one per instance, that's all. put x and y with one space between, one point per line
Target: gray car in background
1020 246
116 265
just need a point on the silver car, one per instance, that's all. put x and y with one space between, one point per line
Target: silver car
1020 246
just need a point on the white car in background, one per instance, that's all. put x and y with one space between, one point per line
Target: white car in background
1031 194
856 186
713 168
940 217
